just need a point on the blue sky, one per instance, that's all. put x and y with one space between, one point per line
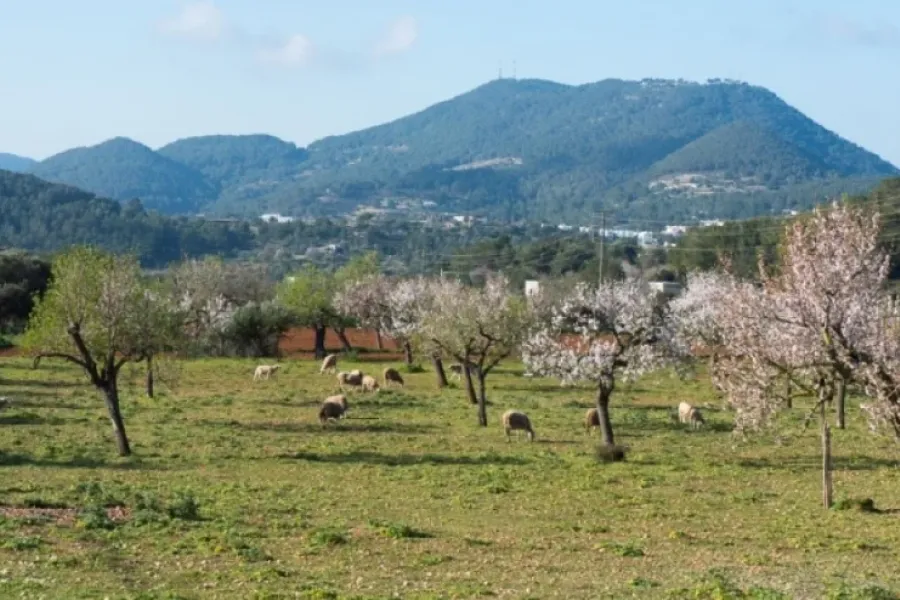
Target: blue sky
76 73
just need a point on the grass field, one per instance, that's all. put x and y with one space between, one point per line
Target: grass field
236 491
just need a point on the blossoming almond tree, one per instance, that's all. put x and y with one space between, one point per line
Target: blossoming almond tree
481 327
811 321
601 334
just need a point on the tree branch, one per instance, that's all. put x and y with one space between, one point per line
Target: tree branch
62 355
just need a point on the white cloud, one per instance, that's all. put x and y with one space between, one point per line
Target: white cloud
197 20
399 37
297 51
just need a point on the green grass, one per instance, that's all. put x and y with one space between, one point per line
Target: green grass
236 491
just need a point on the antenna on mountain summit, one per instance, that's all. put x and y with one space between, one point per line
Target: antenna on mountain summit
500 71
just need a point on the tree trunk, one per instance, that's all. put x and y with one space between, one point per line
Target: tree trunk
470 387
150 376
320 342
378 341
111 392
439 371
841 397
408 353
340 331
827 486
482 400
788 391
603 394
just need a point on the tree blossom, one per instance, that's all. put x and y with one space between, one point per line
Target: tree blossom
600 334
477 326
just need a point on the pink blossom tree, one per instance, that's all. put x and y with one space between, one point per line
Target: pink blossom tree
810 321
602 334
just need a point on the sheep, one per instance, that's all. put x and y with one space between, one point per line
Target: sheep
264 371
369 383
330 411
392 375
353 378
591 420
329 363
456 371
516 420
341 400
690 414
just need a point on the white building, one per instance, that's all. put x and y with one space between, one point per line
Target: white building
276 218
532 287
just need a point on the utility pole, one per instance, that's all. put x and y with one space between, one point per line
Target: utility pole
602 243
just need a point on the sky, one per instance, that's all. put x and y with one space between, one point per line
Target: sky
78 73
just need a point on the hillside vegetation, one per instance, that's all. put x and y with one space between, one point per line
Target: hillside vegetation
36 215
12 162
511 149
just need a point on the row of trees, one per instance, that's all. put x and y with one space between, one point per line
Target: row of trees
816 321
820 319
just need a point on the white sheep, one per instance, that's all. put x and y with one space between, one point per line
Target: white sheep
369 383
353 379
264 371
516 420
591 420
392 375
329 363
690 414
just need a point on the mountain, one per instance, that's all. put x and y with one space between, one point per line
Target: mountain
42 216
646 150
243 167
12 162
123 169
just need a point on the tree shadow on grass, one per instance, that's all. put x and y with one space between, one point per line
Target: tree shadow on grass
344 425
397 460
76 462
855 463
46 404
29 419
39 383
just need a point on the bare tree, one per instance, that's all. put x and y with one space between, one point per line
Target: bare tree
99 314
600 334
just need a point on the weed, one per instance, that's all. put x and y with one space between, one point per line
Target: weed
397 531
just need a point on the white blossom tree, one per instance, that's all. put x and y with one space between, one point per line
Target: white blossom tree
601 334
696 316
810 321
480 327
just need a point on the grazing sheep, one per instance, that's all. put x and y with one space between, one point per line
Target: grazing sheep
516 420
264 371
341 400
690 414
369 383
393 376
330 411
456 371
353 378
329 363
591 420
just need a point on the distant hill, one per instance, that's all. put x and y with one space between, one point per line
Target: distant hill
41 216
13 162
644 150
123 169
